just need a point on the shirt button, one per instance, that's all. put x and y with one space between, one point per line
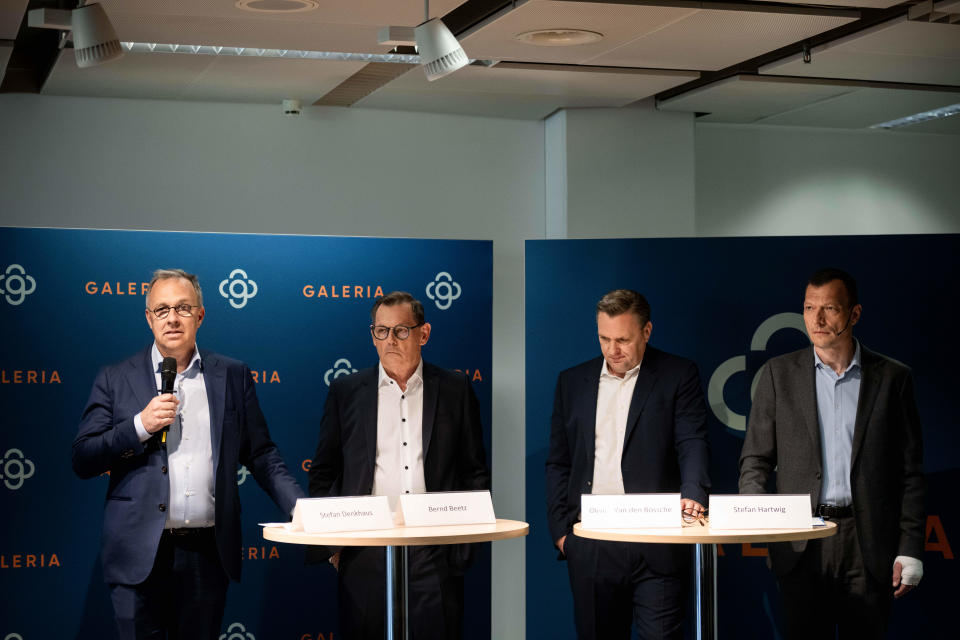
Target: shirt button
403 419
162 507
404 444
406 492
403 397
405 467
163 470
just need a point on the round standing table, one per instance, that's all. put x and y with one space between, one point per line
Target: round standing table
706 551
396 541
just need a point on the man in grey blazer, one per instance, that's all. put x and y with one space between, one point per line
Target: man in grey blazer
840 422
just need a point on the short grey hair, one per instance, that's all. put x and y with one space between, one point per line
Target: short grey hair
619 301
170 274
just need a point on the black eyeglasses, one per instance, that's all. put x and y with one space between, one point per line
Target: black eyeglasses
185 310
402 332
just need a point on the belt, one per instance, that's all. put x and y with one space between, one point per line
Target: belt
832 511
189 531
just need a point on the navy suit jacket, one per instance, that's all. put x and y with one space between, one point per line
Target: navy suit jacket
665 447
139 489
454 458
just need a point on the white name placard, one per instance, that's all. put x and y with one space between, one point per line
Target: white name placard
356 513
630 511
453 507
764 511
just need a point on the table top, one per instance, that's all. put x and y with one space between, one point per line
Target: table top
405 536
703 535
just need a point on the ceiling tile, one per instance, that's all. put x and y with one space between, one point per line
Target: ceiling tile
11 15
896 51
523 90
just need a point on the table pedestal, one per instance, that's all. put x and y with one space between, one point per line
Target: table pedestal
398 602
706 591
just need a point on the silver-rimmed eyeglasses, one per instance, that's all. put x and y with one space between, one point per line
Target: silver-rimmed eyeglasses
401 331
184 310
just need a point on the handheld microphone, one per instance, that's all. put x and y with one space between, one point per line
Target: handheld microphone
168 375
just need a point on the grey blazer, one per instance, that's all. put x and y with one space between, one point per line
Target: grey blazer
886 473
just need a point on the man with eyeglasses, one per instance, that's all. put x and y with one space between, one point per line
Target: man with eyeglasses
405 426
840 422
171 526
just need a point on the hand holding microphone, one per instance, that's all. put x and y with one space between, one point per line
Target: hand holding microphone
161 411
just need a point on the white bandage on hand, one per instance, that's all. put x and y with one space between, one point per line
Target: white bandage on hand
911 569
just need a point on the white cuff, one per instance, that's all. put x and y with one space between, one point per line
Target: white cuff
141 430
911 569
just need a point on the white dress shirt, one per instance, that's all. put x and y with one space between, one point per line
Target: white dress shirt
399 467
189 448
613 405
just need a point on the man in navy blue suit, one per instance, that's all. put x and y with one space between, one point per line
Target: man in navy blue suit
171 525
631 421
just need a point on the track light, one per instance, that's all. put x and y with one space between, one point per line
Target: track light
94 39
439 50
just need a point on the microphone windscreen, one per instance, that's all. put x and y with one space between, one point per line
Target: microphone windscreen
168 374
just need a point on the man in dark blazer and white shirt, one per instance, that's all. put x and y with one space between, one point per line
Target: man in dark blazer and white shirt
632 421
171 525
840 422
405 426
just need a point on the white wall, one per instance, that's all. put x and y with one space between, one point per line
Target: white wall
757 181
131 164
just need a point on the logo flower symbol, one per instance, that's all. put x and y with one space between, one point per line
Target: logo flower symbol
15 468
341 367
237 631
237 288
443 290
16 285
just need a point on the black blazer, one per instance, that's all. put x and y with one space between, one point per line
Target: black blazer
139 489
454 458
665 446
886 473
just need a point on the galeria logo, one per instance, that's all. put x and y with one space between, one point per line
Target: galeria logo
237 631
13 636
341 367
15 468
237 288
242 474
443 290
736 364
16 285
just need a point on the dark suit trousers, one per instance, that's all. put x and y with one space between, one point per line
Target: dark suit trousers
436 594
613 586
182 598
830 591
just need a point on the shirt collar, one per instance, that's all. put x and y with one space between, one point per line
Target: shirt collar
854 363
604 372
195 361
384 379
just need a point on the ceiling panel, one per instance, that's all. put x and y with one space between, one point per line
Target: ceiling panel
338 25
868 106
896 51
749 98
523 90
866 4
712 40
618 23
648 36
11 15
195 77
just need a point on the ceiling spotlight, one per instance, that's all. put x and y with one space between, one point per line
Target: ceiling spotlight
94 39
439 50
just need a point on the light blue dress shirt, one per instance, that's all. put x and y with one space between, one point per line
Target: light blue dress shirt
837 398
189 448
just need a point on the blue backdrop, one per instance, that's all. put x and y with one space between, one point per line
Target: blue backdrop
730 304
295 308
